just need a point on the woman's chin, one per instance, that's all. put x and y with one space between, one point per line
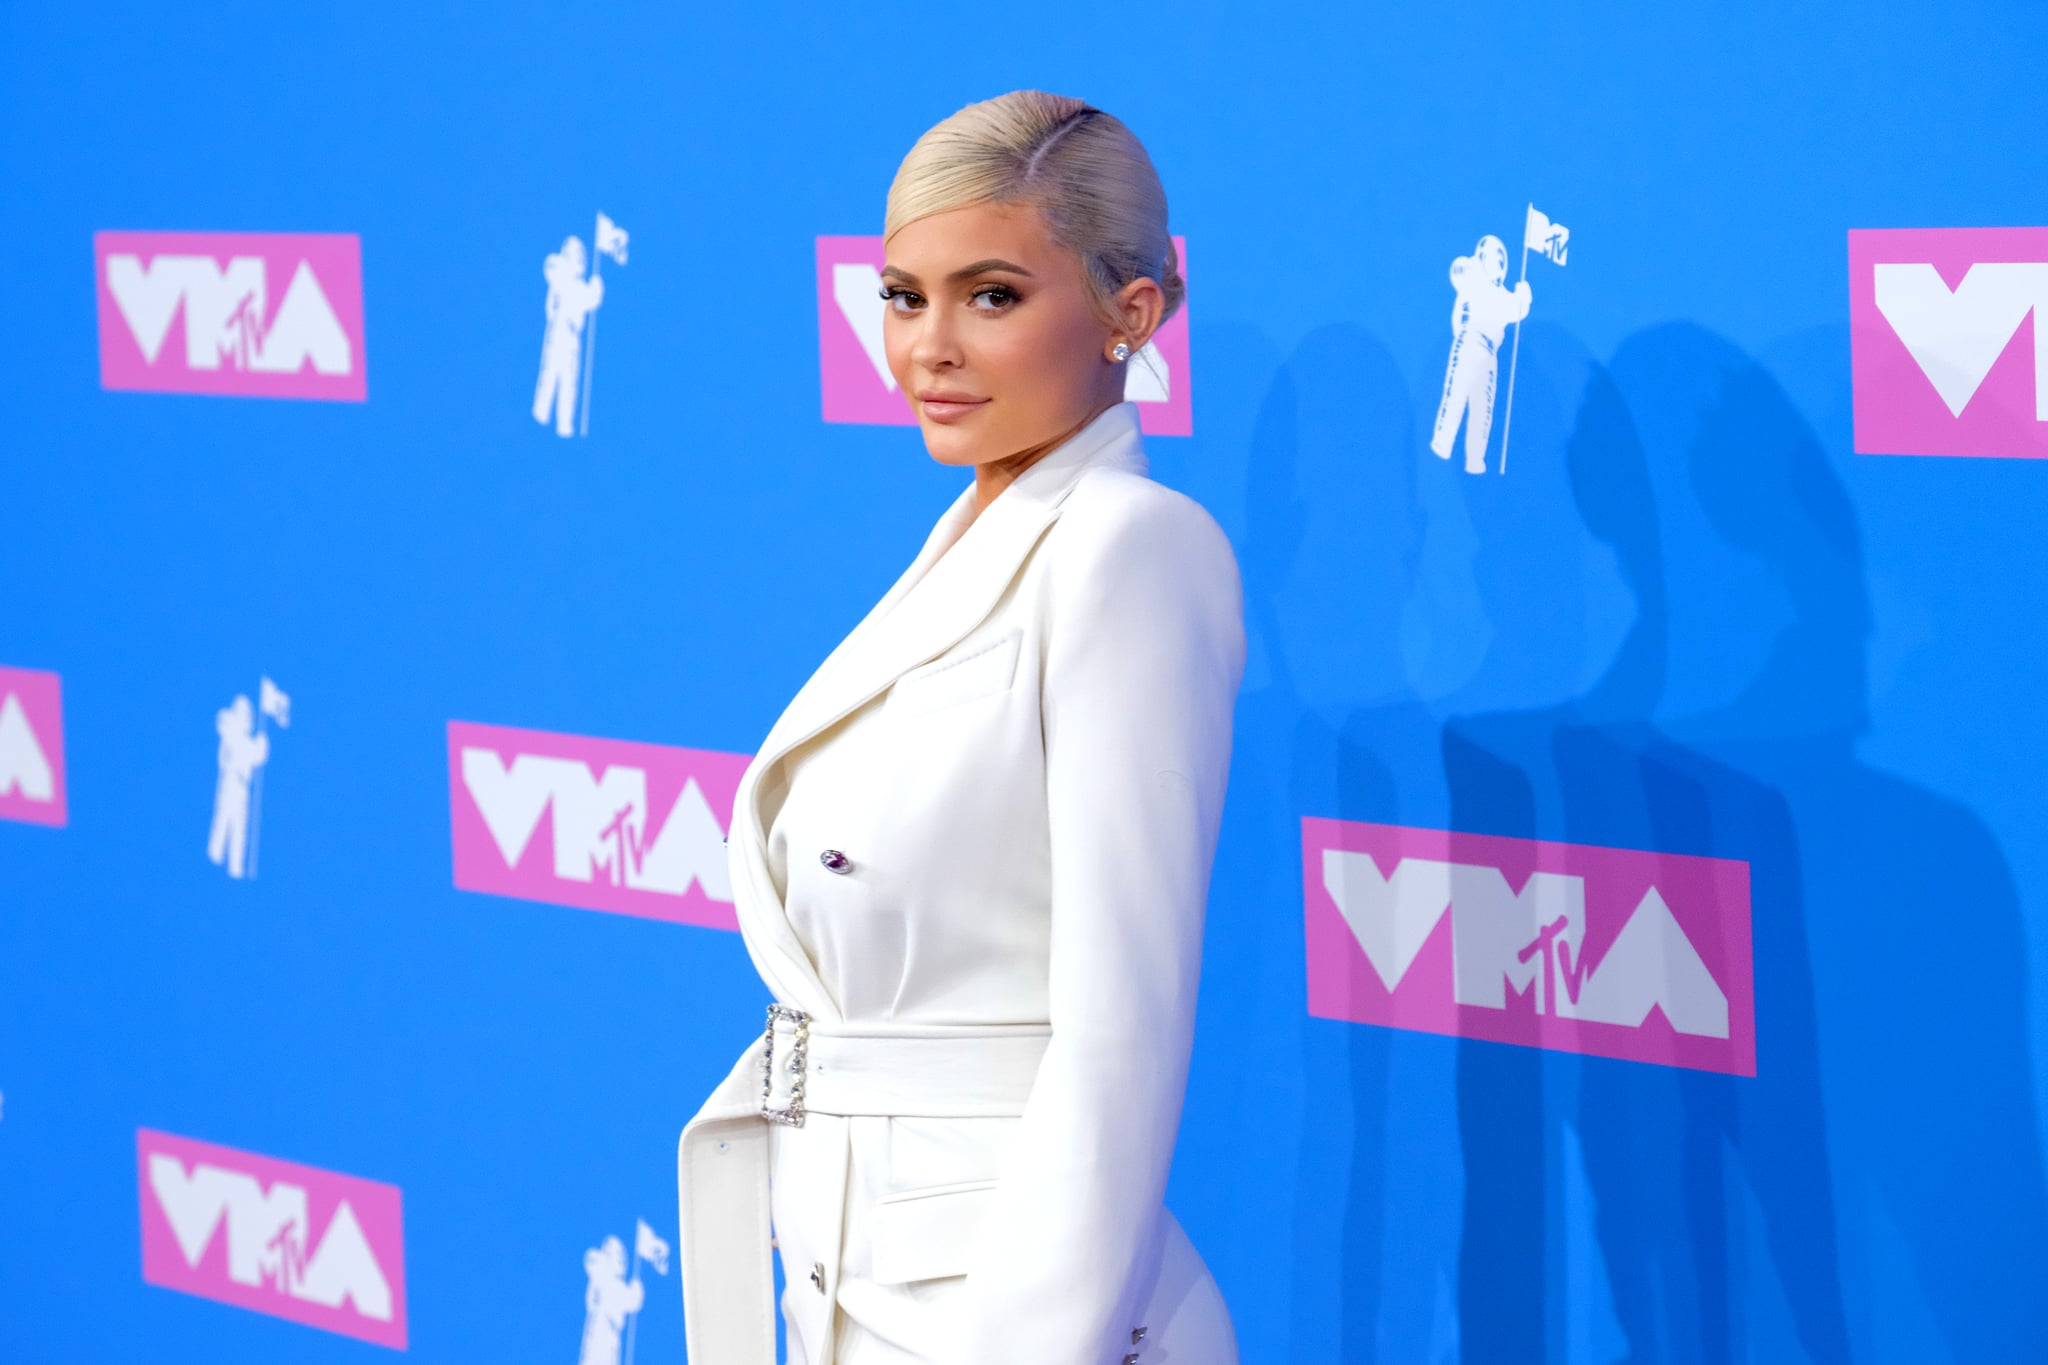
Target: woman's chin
950 445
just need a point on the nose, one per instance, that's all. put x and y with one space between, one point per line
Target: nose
936 345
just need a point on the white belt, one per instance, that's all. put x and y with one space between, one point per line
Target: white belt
798 1068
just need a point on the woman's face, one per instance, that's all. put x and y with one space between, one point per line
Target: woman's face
993 336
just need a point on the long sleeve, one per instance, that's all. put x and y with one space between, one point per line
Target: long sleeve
1144 652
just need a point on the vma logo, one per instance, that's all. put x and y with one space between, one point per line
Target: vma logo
603 824
1602 951
1943 358
245 314
31 747
316 1247
854 368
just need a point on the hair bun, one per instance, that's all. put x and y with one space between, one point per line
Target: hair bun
1170 283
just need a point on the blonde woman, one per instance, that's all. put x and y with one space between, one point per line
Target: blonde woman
971 858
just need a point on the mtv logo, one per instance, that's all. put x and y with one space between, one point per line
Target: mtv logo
247 314
1947 355
854 368
1602 951
602 824
315 1247
31 747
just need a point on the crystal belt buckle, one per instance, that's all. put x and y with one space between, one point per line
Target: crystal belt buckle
801 1022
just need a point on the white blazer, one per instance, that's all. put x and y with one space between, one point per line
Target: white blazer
1024 848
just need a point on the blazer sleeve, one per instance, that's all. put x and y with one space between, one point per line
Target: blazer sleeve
1144 653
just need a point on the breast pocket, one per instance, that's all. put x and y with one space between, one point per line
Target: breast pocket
981 670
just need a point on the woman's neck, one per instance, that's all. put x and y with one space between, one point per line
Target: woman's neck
992 477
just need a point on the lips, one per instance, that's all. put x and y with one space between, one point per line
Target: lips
942 405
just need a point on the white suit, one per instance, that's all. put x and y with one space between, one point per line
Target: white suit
975 853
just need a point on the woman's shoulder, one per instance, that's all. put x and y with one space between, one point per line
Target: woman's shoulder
1148 563
1113 513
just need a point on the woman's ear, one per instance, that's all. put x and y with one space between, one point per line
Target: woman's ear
1140 307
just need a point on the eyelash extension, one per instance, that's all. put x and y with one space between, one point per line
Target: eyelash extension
1005 295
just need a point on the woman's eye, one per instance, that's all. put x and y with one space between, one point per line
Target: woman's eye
994 298
900 300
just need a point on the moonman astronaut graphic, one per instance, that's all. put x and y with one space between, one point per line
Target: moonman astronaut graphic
1479 319
610 1300
571 300
242 752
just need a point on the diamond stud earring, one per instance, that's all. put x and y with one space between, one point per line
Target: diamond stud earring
1120 352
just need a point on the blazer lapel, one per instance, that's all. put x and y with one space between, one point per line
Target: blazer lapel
950 588
947 592
782 736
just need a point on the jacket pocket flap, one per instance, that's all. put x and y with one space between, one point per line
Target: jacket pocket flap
925 1234
950 680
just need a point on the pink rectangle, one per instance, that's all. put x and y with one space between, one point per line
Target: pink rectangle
32 747
602 824
1946 354
1603 951
315 1247
243 314
854 374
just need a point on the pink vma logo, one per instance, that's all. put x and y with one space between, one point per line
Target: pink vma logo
257 314
31 747
573 821
1943 359
854 367
1603 951
316 1247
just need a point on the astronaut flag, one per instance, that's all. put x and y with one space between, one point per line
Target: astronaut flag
1545 237
611 239
650 1248
1551 241
275 703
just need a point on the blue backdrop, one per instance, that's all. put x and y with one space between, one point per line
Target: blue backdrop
1688 619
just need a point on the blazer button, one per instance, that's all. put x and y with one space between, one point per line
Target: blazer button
835 861
1137 1335
818 1275
1131 1359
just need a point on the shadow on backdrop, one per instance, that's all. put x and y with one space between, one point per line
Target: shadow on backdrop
1324 727
1694 1186
1616 1211
1514 1282
1917 946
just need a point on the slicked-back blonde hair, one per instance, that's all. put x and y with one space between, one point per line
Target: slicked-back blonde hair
1086 172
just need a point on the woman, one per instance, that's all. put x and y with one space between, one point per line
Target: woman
971 859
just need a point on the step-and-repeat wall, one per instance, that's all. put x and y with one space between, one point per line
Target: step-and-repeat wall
441 440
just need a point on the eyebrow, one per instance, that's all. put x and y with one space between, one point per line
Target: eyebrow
965 272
